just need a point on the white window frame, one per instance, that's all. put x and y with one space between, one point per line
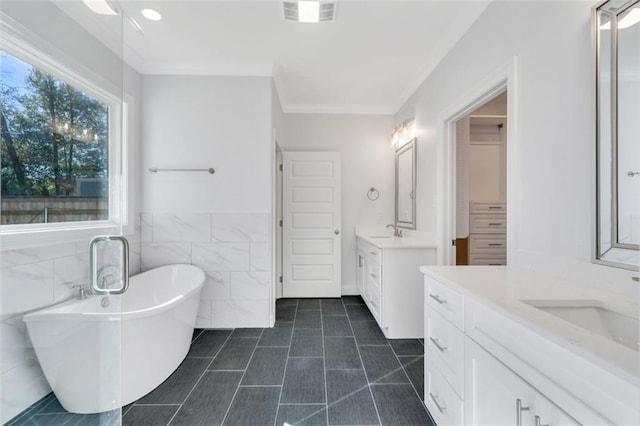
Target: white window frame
26 46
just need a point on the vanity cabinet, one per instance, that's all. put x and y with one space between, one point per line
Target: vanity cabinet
390 282
501 397
483 367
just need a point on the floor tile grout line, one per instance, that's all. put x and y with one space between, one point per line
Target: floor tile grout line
366 376
199 379
324 366
286 363
241 378
411 383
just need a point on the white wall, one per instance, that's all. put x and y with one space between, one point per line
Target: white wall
367 161
220 222
42 272
555 133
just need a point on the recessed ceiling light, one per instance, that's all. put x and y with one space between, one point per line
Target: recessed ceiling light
152 15
101 7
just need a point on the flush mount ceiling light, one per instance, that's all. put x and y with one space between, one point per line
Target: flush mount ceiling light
309 11
152 15
101 7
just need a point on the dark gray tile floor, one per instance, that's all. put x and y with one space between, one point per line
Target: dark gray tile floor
326 362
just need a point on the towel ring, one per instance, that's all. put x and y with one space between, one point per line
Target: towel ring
373 194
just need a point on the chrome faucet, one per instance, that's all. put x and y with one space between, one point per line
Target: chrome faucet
82 291
397 232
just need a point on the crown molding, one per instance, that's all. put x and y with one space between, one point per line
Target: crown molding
434 60
186 68
337 109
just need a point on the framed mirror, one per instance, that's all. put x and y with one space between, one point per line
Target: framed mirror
406 185
617 31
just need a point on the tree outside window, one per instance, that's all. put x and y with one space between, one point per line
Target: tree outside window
55 141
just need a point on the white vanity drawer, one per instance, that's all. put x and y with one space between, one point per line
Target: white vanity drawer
375 303
374 272
487 243
487 223
487 259
445 300
444 346
442 402
487 208
373 252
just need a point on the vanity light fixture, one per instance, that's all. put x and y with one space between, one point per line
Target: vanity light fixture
101 7
402 133
151 14
309 11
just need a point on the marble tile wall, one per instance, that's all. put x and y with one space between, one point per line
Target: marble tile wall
232 249
31 278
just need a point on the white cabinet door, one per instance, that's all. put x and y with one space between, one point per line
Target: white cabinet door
495 395
311 188
549 414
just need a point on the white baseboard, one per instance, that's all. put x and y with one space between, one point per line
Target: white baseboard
350 291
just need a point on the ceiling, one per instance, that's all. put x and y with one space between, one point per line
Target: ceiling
369 60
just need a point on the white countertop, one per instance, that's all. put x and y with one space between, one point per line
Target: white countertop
385 240
504 288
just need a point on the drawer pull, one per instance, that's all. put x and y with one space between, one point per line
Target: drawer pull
495 207
495 223
436 343
495 244
519 410
437 298
435 399
538 422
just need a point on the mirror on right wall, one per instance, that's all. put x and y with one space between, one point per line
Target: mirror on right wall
406 185
617 31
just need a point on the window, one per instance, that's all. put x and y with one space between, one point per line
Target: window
63 146
55 145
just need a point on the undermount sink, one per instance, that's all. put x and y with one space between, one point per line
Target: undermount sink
591 315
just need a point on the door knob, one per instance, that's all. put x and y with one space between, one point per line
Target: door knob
337 232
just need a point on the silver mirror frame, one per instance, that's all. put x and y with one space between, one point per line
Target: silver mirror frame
411 145
612 253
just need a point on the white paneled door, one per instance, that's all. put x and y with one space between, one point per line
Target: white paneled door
311 188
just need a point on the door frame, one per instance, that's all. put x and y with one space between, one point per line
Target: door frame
502 79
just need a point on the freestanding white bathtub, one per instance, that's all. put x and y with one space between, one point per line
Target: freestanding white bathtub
99 358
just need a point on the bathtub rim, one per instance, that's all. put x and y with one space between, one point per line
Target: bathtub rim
57 311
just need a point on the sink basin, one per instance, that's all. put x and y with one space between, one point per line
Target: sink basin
591 315
380 236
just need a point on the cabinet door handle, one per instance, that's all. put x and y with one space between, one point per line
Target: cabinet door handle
437 298
538 423
373 253
372 275
436 343
519 410
435 398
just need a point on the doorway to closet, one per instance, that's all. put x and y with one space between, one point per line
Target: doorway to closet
481 185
